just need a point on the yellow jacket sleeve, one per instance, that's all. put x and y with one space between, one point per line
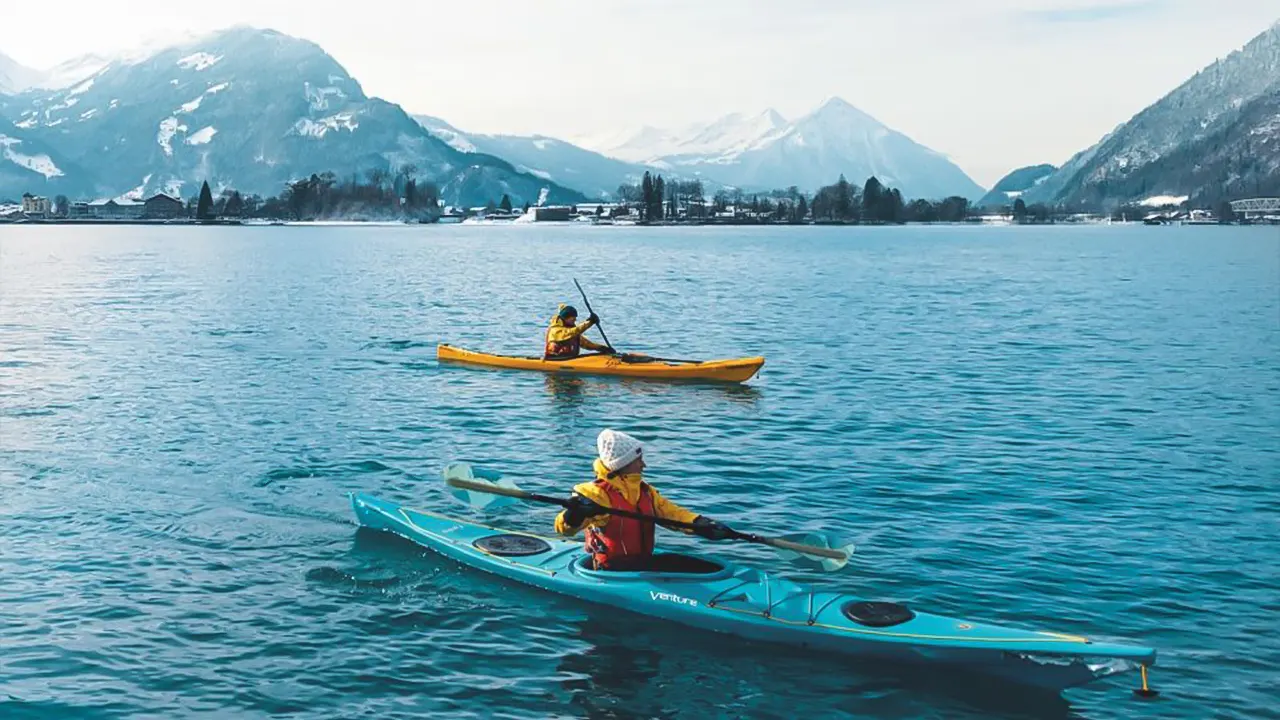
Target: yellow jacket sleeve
595 494
662 507
561 333
668 510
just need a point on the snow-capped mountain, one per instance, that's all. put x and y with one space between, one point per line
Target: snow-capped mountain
1015 184
1163 149
730 133
16 77
245 108
592 173
766 151
1237 160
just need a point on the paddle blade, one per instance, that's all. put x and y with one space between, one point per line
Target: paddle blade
478 500
822 540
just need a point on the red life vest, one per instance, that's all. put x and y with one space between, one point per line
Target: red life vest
562 350
622 537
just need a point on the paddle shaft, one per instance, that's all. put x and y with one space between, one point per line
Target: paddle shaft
484 487
587 302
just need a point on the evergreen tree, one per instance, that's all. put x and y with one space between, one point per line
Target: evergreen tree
505 205
61 206
1226 213
646 196
843 200
894 210
204 207
659 194
410 193
235 205
802 209
872 195
1019 211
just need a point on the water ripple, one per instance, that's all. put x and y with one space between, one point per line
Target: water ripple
1063 427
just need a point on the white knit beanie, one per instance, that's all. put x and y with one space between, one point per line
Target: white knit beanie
617 449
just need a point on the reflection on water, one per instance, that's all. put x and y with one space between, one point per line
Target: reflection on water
573 389
183 411
626 669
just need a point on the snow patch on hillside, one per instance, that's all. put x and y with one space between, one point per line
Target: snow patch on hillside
189 107
318 128
1164 200
41 163
81 88
318 97
168 128
543 174
199 61
202 136
136 193
194 105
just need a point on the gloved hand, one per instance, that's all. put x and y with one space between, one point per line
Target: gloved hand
705 527
593 319
580 509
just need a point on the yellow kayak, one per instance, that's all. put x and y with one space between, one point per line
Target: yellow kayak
638 366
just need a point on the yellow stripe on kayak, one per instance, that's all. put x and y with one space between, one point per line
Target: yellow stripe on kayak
737 370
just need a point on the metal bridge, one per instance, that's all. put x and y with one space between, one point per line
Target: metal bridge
1256 206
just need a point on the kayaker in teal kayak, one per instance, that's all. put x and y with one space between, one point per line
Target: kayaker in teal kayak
618 543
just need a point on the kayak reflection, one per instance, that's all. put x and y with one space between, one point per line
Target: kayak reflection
629 670
573 390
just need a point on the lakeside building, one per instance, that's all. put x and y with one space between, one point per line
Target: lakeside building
36 206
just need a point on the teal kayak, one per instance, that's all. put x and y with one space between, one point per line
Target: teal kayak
738 600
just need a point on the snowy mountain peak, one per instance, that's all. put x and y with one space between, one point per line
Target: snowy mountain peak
242 108
16 77
764 151
839 110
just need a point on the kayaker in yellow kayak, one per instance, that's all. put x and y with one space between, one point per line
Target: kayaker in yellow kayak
565 339
618 543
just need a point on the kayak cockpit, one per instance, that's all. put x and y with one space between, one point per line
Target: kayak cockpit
664 566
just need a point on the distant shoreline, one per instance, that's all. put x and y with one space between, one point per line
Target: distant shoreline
256 223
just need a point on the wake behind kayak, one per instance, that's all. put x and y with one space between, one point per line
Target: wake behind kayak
742 601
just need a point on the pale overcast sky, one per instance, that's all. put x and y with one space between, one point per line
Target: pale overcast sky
994 84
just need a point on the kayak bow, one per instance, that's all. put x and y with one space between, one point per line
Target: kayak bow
746 602
637 366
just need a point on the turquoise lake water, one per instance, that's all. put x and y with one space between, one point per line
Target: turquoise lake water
1068 428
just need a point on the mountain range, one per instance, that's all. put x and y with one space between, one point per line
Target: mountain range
254 109
765 150
207 111
1217 135
594 174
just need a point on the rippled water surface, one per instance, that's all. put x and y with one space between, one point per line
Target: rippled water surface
1070 428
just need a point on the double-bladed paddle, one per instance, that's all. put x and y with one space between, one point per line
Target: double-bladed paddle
487 490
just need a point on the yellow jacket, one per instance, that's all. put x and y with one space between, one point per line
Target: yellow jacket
559 332
629 486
